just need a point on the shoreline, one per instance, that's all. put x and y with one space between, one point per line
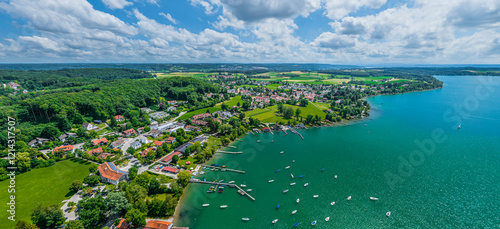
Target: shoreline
175 216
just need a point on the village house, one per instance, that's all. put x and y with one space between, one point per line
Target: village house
100 142
201 116
199 122
65 136
170 140
110 174
223 114
14 85
168 158
63 148
119 118
118 143
136 145
96 151
129 132
192 128
37 141
124 224
146 151
158 143
88 126
140 130
157 224
143 140
105 156
155 133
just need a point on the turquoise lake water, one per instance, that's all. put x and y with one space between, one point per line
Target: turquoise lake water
410 154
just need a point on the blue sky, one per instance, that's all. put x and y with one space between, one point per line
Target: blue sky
256 31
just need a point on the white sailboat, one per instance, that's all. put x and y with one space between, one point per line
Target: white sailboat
315 196
332 203
349 198
292 183
271 181
223 206
306 184
285 191
298 200
205 205
373 198
327 218
294 211
287 167
274 221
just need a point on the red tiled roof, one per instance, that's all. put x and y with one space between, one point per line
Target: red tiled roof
129 132
158 143
169 157
106 171
95 151
145 152
170 169
63 148
123 224
118 117
104 155
99 141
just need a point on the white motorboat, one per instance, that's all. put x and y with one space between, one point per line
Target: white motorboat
243 185
285 191
313 223
282 151
306 184
335 176
293 161
298 200
223 206
271 181
245 219
388 214
349 198
292 183
315 196
274 221
231 182
205 205
373 198
249 190
327 218
332 203
287 167
291 175
294 211
258 140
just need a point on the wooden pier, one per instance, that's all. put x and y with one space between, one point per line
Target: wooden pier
222 151
231 170
234 147
296 132
219 183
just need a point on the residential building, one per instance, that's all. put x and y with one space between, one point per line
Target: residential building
119 118
110 174
146 151
140 130
155 133
223 114
35 142
65 136
100 142
143 140
157 224
158 143
201 116
118 143
129 132
88 126
199 122
63 148
136 145
170 140
96 151
105 156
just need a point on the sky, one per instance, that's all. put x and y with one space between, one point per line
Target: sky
250 31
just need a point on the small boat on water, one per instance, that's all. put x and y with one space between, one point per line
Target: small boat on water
301 176
291 175
249 190
373 198
293 161
294 211
245 219
332 203
296 225
388 214
327 218
349 198
322 170
271 181
285 191
205 205
315 196
272 141
306 184
278 206
243 185
258 140
201 173
298 200
460 126
277 170
313 223
223 206
287 167
231 182
282 152
335 176
292 183
274 221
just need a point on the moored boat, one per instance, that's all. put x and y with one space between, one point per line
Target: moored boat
205 205
349 198
277 170
243 185
388 214
291 175
313 223
294 211
285 191
301 176
332 203
231 182
278 206
373 198
296 225
335 176
249 190
271 181
223 206
282 151
287 167
298 200
306 184
292 183
315 196
327 218
274 221
245 219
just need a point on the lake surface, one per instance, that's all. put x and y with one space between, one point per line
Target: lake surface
410 154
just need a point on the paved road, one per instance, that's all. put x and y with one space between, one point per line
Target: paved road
178 116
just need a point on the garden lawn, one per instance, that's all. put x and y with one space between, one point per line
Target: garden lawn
46 186
234 101
182 162
267 115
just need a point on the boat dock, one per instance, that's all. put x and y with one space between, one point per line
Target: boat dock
296 132
222 151
234 147
219 183
231 170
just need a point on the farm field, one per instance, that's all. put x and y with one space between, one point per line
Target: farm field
234 101
267 114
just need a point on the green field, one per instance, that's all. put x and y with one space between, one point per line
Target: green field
46 186
234 101
267 115
273 86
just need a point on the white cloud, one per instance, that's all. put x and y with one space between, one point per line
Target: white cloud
209 6
337 9
116 4
169 17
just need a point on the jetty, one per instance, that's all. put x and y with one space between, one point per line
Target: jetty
227 169
222 151
234 147
296 132
219 183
